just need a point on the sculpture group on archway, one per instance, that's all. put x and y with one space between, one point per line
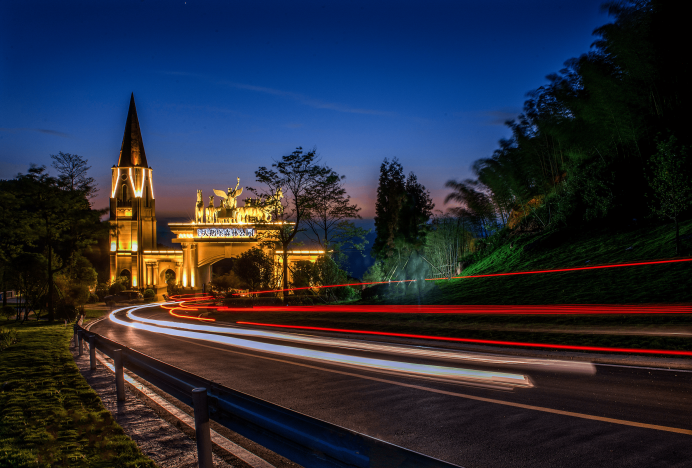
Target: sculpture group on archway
258 209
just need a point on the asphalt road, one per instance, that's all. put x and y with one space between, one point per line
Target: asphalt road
552 417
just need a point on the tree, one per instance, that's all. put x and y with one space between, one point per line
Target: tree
447 242
326 272
29 270
255 268
671 183
227 282
303 275
61 219
329 213
72 173
416 211
402 211
391 192
16 233
294 176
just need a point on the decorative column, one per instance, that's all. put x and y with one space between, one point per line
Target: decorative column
186 266
194 271
178 272
155 271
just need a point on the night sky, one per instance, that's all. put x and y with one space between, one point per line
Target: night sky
223 87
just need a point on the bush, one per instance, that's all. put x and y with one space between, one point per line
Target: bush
268 301
299 300
66 311
7 312
347 293
102 291
116 288
149 293
246 302
375 291
93 299
7 337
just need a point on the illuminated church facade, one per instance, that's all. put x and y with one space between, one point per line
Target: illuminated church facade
224 232
134 252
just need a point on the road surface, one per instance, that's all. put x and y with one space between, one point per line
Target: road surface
470 409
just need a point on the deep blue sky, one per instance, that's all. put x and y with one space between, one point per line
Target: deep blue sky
223 87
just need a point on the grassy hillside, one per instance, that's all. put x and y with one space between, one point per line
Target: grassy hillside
565 249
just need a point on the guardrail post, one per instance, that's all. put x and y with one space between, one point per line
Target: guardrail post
119 375
80 338
92 352
202 430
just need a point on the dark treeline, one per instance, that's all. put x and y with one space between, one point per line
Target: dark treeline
47 225
603 141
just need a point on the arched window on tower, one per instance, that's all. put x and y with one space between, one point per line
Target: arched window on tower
124 193
146 196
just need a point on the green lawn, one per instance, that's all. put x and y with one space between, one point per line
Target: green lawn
49 416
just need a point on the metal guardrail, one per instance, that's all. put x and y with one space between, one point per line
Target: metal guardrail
308 441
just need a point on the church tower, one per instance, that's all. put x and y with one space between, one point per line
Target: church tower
132 207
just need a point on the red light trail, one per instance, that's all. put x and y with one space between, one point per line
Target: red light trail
471 340
548 309
560 270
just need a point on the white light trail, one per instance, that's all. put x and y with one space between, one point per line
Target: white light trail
490 379
577 367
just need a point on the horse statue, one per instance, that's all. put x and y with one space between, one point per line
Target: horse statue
259 209
199 208
212 211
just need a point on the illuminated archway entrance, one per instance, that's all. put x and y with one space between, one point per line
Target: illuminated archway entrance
205 244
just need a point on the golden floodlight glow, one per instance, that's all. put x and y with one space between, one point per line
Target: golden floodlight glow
144 179
115 182
132 181
151 186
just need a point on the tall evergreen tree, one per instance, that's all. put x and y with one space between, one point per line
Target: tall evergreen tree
402 211
391 192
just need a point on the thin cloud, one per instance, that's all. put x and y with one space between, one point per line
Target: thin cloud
39 130
306 100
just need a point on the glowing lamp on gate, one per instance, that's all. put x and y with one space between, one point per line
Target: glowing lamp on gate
113 246
134 246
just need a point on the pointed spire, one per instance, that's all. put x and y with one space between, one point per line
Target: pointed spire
132 149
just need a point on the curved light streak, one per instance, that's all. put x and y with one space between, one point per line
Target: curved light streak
472 340
449 374
421 352
549 309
